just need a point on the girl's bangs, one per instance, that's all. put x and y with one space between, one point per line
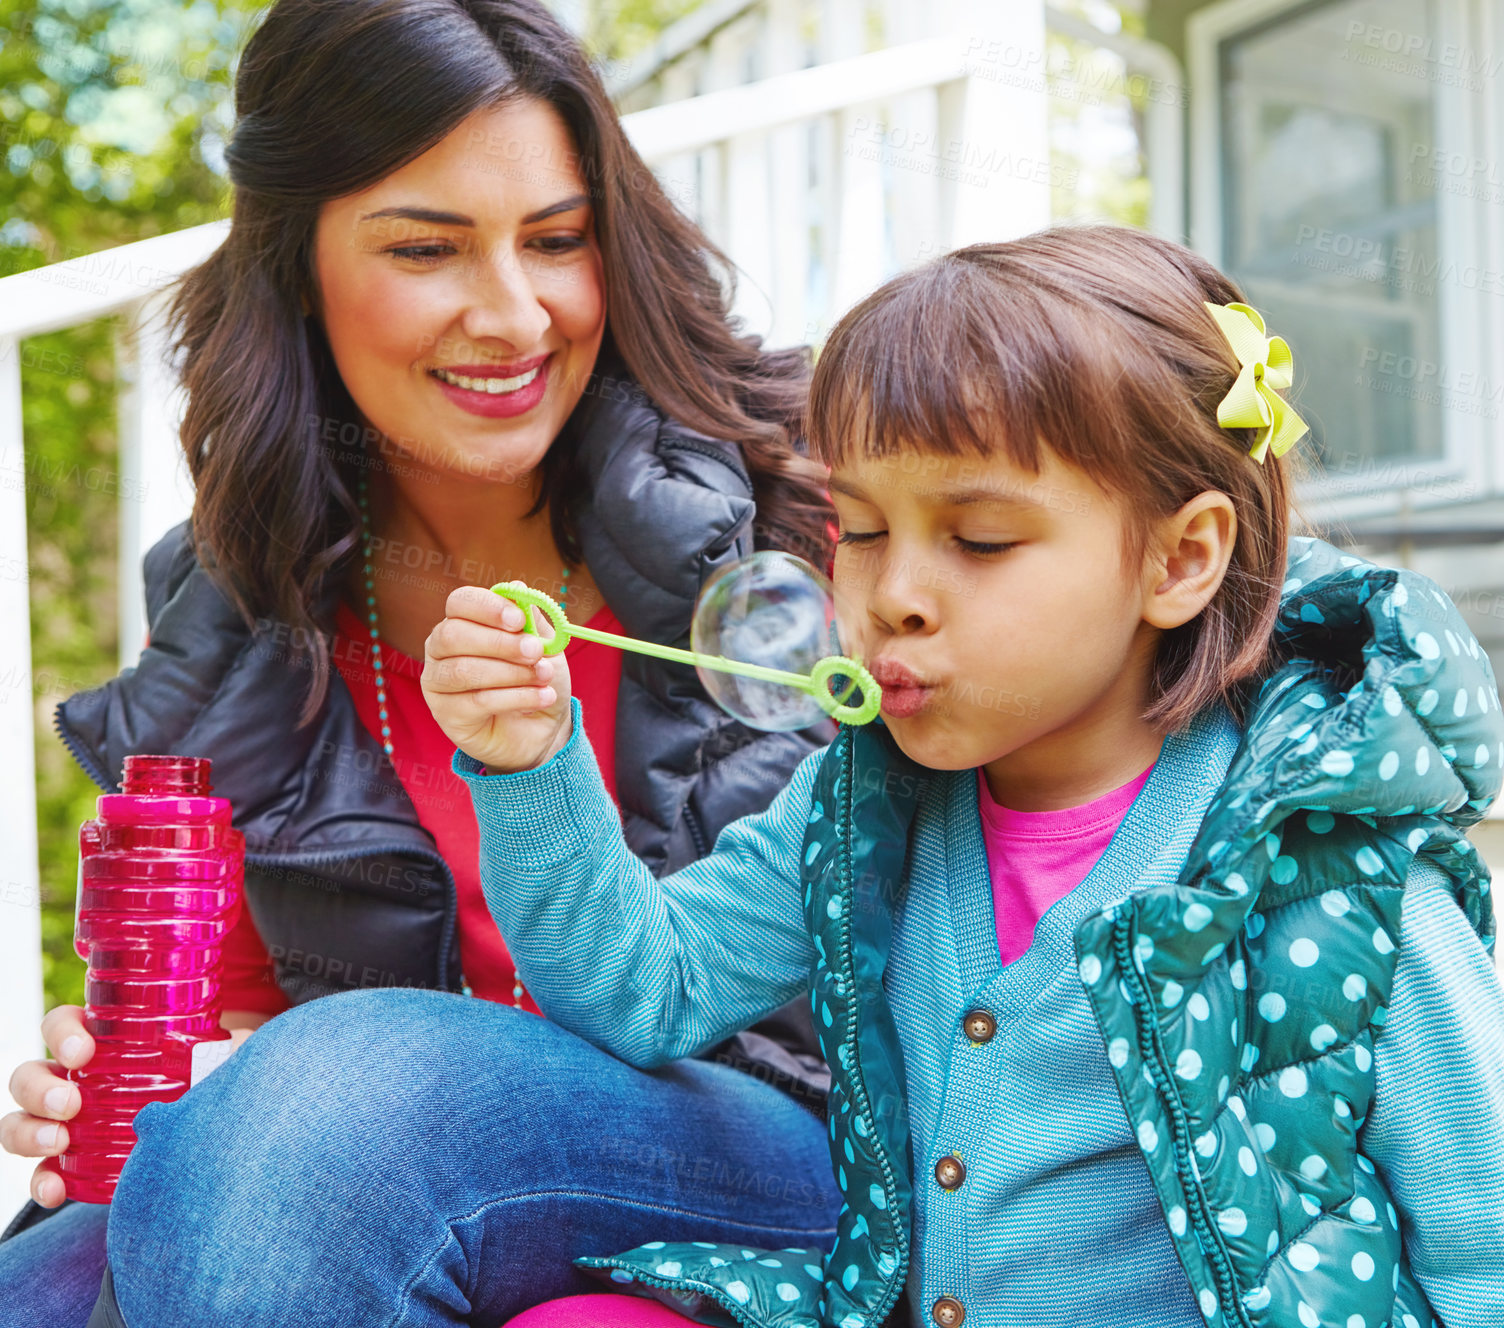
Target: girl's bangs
924 365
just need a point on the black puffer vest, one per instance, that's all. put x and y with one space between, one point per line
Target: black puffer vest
345 885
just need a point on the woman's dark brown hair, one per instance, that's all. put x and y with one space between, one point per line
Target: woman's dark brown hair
1093 341
333 97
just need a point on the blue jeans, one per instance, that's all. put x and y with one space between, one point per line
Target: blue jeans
398 1157
49 1274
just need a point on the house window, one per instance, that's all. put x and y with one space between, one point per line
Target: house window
1329 217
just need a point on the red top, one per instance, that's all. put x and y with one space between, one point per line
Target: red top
421 755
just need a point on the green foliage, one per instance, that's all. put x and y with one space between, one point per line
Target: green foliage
619 29
112 115
67 410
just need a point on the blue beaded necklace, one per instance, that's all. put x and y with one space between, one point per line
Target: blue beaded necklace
518 991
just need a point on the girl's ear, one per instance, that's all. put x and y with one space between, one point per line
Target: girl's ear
1186 559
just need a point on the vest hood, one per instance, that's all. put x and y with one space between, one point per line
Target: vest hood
1386 707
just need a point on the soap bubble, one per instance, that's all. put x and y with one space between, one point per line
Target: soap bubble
771 609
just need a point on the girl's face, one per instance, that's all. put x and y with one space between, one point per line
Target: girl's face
463 297
994 607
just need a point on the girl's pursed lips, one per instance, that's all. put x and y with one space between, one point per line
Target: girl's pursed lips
890 673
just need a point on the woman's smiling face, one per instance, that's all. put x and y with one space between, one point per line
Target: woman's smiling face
463 297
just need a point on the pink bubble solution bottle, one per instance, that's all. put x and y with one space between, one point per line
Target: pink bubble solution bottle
161 874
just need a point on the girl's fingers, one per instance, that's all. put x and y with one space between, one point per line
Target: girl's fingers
483 606
30 1136
488 609
462 636
40 1092
511 700
469 673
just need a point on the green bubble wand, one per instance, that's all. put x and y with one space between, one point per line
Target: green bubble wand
848 677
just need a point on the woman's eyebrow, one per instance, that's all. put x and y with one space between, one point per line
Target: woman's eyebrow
459 219
563 205
421 214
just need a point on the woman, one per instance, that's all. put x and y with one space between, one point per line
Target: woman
456 335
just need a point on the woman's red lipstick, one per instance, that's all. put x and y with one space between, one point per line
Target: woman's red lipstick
512 400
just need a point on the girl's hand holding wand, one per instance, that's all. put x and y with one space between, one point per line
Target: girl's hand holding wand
490 688
500 692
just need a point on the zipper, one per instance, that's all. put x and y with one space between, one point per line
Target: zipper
77 752
696 831
313 858
863 1103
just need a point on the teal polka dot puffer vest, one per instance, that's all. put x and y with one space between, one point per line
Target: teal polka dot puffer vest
1238 1007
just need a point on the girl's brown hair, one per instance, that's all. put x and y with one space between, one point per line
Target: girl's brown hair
1092 341
333 97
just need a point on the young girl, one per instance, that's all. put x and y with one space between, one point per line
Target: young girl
1142 936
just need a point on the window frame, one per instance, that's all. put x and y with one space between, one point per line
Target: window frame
1472 461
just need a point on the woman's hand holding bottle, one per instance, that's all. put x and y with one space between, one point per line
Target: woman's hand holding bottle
48 1101
490 688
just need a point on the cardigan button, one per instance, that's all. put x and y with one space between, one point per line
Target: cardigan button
949 1172
980 1026
948 1312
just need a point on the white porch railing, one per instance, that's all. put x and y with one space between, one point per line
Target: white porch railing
780 174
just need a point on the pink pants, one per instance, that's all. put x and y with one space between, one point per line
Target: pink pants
607 1311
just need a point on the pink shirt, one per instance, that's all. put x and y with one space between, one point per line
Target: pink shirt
1035 858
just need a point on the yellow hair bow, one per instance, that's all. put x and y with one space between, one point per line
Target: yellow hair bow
1267 364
